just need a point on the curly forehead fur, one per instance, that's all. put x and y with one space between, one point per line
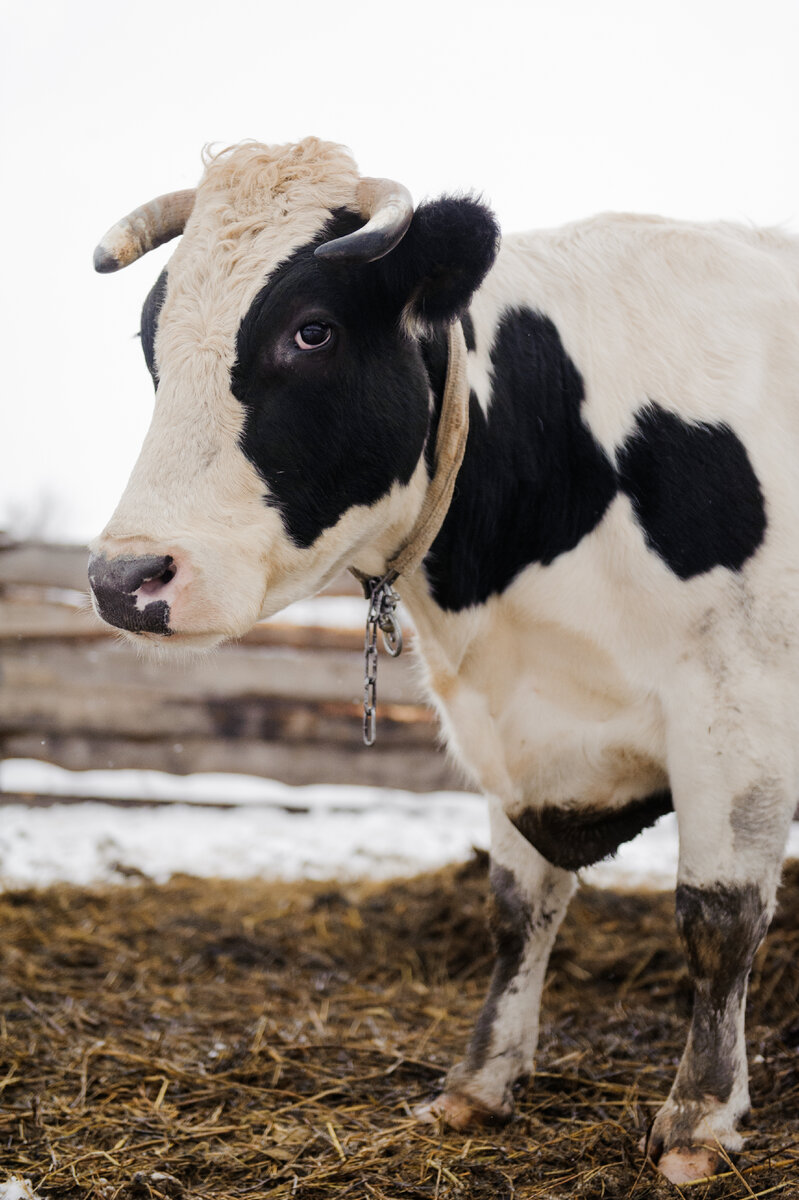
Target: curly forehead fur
256 181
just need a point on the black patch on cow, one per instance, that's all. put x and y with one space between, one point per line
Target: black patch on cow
693 491
534 481
578 836
149 322
334 427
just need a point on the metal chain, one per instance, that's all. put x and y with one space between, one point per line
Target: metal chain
382 615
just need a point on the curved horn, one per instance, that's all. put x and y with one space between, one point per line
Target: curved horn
144 229
389 209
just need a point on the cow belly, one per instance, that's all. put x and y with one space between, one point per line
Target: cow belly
575 783
580 796
576 837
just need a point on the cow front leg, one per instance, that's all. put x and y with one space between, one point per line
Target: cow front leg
529 898
721 926
730 855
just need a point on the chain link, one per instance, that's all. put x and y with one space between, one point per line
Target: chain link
382 615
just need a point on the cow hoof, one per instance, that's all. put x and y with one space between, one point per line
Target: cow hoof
686 1164
459 1112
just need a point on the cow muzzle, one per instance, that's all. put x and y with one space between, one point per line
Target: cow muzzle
135 593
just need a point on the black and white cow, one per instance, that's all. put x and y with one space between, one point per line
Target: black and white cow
608 617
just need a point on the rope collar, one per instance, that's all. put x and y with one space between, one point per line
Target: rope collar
453 429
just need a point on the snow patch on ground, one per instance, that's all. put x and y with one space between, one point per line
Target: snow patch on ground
82 843
273 831
17 1189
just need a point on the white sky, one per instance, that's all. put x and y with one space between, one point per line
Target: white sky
553 109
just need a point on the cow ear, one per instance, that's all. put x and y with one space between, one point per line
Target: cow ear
442 259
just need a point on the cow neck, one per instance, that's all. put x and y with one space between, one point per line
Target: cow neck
453 430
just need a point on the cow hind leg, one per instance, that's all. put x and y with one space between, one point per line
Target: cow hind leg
529 899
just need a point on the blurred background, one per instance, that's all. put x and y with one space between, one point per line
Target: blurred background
551 111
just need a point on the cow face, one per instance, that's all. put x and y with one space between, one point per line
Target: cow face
292 401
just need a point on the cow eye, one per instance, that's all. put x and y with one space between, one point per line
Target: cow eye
313 335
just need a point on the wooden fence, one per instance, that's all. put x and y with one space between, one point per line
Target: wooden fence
284 703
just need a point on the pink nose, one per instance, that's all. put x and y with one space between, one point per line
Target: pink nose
130 591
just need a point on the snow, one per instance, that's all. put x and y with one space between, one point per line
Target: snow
17 1189
269 830
273 830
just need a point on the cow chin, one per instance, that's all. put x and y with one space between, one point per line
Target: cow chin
176 645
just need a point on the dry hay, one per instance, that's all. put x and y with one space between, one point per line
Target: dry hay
227 1039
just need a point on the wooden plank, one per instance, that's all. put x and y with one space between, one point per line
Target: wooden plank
108 668
43 619
44 565
57 799
284 703
420 770
138 715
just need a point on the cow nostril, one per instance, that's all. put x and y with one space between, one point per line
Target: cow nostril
153 585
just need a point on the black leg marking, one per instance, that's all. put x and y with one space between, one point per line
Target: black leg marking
509 919
577 837
514 924
526 911
721 927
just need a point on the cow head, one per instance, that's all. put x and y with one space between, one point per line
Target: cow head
292 403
